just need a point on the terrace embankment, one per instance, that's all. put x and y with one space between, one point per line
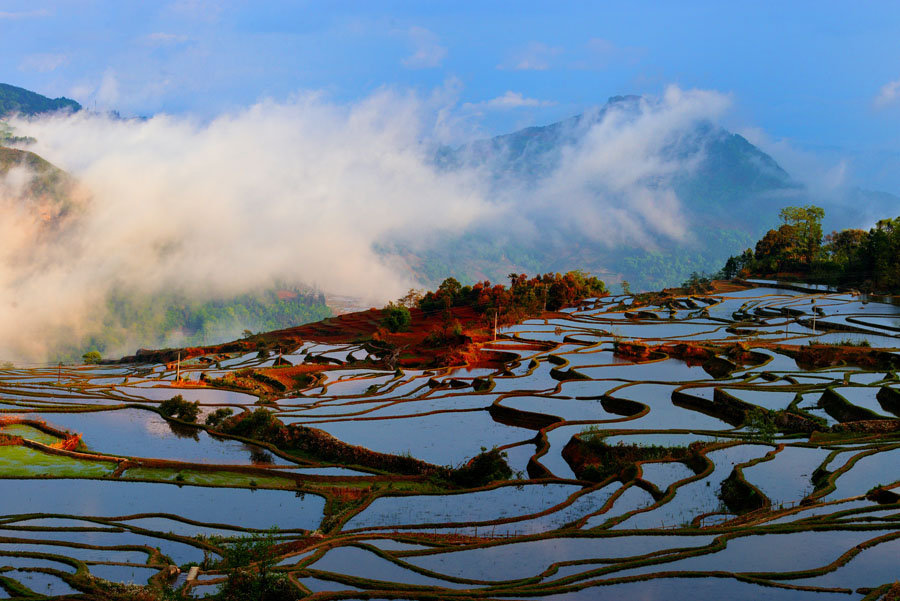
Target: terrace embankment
67 440
426 343
593 459
716 358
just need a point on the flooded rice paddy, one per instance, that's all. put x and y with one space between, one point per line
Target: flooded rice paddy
658 472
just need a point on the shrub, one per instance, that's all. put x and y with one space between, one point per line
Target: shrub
218 416
250 563
396 318
259 424
604 460
456 328
739 496
92 357
484 468
178 408
761 424
302 380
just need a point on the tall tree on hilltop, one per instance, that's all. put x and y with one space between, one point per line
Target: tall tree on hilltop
807 224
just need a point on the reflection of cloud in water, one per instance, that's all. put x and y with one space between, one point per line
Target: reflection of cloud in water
157 427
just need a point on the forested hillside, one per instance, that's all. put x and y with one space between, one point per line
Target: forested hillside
170 319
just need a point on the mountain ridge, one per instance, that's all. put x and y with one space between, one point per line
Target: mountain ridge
14 99
728 190
729 197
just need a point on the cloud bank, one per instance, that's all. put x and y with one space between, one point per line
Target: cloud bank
296 191
509 100
301 191
613 184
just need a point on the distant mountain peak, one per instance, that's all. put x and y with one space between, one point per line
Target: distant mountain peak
626 99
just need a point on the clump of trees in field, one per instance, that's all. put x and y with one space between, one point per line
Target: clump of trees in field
181 409
869 260
523 298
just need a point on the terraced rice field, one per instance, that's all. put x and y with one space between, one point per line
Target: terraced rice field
653 472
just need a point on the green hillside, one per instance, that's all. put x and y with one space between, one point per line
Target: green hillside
132 321
26 102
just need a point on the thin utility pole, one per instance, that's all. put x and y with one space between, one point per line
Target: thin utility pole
178 368
496 316
59 373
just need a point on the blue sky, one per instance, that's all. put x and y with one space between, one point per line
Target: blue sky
816 83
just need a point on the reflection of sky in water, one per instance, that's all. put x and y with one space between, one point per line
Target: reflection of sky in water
141 433
450 438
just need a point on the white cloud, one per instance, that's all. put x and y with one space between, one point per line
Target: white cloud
616 181
427 52
536 56
600 53
516 100
124 91
302 191
297 191
509 100
44 62
25 14
601 48
207 11
81 91
826 179
161 38
108 92
889 94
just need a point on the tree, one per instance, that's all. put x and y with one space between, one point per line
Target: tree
697 284
250 563
92 357
484 468
882 254
178 408
842 246
777 249
807 224
218 416
396 317
450 288
731 268
411 299
869 260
